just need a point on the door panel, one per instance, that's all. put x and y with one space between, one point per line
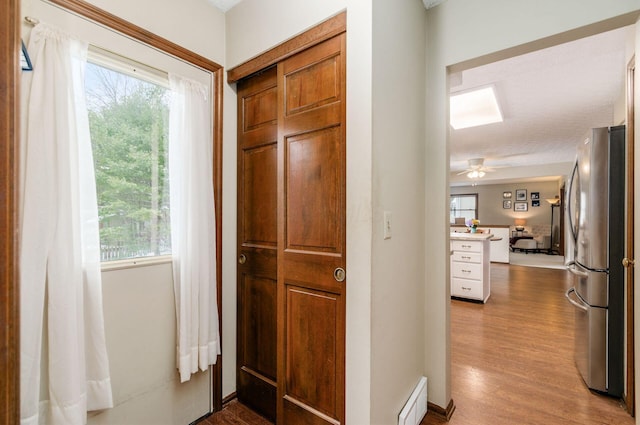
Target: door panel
311 235
257 243
312 342
259 210
313 191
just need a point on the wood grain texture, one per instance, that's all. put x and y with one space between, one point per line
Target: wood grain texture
323 31
9 136
103 17
235 413
630 394
311 234
257 242
512 358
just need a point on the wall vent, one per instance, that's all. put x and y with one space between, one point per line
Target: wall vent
416 407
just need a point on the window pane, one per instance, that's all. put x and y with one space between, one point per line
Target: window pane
463 206
128 118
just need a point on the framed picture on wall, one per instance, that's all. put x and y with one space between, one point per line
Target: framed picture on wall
520 206
506 204
506 195
535 195
535 202
521 194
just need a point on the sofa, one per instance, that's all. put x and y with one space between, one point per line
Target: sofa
533 239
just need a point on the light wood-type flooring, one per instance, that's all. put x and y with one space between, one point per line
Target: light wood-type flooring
511 359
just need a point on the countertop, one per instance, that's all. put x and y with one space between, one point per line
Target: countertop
470 236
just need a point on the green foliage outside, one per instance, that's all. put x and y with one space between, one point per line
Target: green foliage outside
129 124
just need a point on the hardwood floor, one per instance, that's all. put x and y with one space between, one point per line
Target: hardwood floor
512 359
234 413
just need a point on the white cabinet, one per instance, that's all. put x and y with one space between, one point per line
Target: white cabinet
470 267
499 244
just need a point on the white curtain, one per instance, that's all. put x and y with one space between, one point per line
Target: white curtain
61 317
193 231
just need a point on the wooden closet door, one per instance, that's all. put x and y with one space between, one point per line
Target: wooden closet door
257 242
311 235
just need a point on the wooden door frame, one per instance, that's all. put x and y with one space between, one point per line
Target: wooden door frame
9 136
319 33
630 351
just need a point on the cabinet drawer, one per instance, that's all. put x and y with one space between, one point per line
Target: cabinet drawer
466 246
466 288
467 257
466 270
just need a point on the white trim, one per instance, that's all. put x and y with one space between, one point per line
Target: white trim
107 266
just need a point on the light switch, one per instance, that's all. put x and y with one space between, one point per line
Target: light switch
387 225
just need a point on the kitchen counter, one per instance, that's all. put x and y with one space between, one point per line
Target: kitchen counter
499 242
470 236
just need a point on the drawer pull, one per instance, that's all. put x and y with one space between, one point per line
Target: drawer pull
466 271
466 246
465 288
465 257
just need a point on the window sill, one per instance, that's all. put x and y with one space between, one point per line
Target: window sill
130 263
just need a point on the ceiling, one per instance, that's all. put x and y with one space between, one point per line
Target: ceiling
225 5
549 100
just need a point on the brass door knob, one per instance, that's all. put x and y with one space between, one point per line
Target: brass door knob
626 262
242 259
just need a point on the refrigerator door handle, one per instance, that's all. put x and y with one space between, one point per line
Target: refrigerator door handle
572 301
574 270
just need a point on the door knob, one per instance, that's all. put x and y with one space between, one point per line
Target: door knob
626 262
242 259
339 274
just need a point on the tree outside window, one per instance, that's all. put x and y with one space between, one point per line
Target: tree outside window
128 118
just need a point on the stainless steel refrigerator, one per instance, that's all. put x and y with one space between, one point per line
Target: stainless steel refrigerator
595 211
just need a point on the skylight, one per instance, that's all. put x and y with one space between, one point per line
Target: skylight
474 108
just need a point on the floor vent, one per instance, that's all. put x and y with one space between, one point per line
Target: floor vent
416 406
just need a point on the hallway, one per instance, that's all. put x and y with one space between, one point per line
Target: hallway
512 359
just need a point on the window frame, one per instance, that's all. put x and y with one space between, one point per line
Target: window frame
114 62
463 195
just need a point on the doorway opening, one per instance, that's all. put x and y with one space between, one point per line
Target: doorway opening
545 96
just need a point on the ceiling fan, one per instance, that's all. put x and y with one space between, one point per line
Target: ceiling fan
476 169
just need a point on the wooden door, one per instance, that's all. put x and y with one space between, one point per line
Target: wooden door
311 235
257 242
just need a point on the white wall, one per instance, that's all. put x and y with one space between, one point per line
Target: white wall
139 302
254 26
461 31
397 281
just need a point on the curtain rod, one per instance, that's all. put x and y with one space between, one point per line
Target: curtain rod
31 21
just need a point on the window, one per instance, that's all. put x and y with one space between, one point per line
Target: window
128 119
463 206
